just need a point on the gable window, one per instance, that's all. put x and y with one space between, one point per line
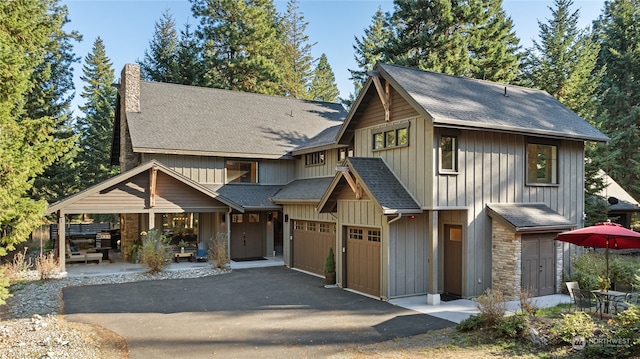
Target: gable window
242 171
448 153
314 159
542 163
396 136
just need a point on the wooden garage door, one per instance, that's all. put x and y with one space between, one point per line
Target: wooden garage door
311 242
363 260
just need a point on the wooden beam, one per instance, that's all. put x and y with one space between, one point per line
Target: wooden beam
355 187
383 93
153 176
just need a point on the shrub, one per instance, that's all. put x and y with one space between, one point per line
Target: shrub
218 252
491 306
47 266
527 305
572 325
627 330
330 262
21 263
512 326
154 253
474 322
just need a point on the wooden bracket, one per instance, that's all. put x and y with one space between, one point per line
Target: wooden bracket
355 187
153 176
385 96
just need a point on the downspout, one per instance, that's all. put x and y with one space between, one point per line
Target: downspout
228 220
395 219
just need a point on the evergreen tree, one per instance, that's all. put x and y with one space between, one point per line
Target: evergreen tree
466 38
297 53
160 60
323 85
189 59
563 63
493 45
368 51
242 44
619 92
51 96
27 144
95 128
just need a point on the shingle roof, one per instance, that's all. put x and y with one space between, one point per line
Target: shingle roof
378 181
249 196
613 189
458 101
528 216
323 139
308 189
198 120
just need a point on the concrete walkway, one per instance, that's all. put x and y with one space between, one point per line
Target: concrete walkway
454 311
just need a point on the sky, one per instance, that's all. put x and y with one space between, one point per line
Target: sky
127 26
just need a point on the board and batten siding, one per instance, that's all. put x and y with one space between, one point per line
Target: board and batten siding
408 256
412 163
373 114
211 170
327 169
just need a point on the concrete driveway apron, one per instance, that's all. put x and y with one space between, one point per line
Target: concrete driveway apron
271 312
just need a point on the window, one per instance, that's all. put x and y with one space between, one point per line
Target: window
313 159
390 138
254 217
236 218
343 153
299 225
542 163
311 226
355 233
373 236
324 228
448 153
242 171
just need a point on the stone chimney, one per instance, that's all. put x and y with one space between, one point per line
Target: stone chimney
130 87
129 93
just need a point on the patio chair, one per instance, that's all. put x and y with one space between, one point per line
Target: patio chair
586 301
571 286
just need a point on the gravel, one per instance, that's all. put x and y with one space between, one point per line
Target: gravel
31 325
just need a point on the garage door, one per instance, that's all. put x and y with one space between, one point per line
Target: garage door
363 260
311 242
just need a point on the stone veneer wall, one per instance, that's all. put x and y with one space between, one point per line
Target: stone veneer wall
129 232
506 257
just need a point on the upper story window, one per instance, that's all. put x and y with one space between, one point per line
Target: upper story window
242 171
313 159
448 153
391 136
542 163
343 153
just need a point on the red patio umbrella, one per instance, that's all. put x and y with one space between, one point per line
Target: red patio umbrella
603 235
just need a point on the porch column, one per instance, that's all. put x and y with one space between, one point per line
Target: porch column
433 297
62 244
152 219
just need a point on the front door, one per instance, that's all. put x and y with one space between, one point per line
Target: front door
247 236
538 264
453 259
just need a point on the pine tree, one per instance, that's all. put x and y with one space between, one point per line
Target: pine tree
27 144
241 43
189 69
52 96
368 50
297 53
95 128
619 92
323 85
466 38
160 59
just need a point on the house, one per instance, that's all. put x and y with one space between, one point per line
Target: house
621 206
430 184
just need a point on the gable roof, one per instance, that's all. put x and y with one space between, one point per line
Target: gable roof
322 141
378 181
181 119
625 202
303 190
528 217
249 196
124 177
458 102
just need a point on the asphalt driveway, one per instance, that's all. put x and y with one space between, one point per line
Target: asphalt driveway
271 312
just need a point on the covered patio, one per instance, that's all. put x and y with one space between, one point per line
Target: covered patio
145 197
